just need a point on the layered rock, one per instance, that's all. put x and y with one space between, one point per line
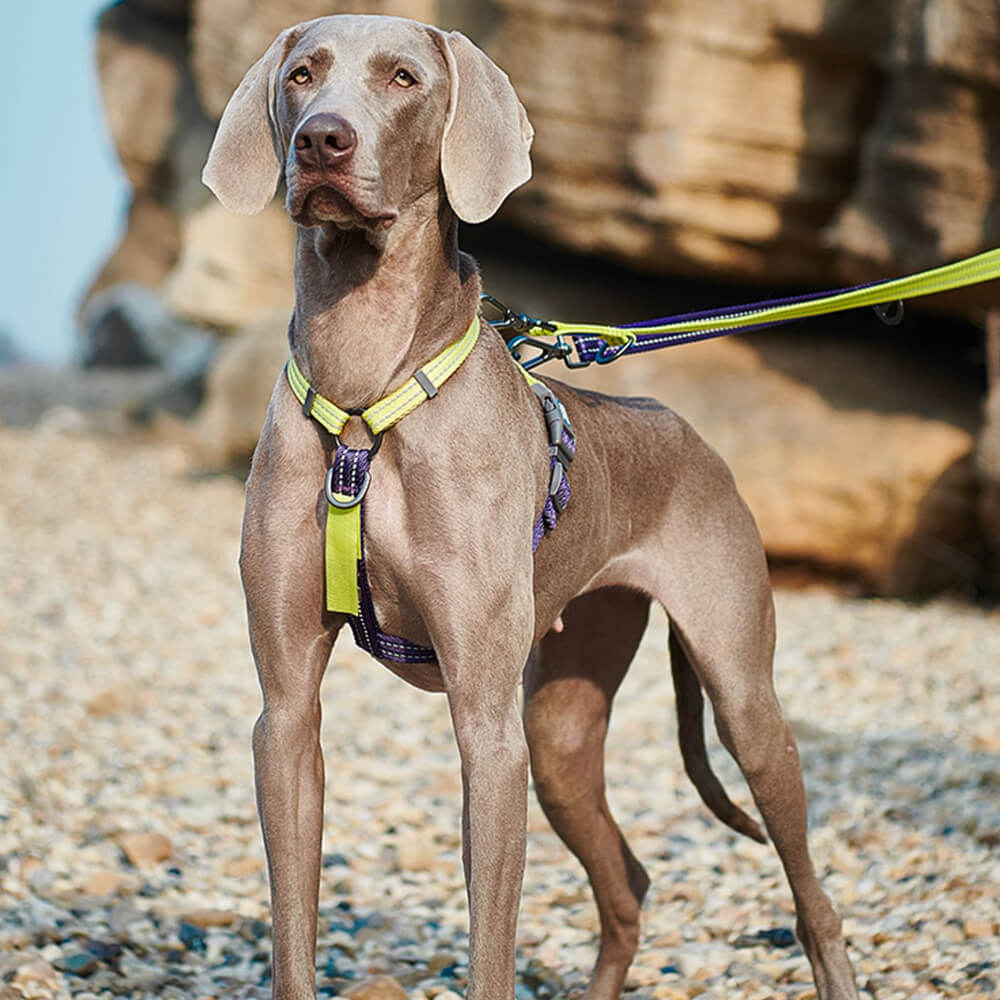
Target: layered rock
785 141
770 139
800 141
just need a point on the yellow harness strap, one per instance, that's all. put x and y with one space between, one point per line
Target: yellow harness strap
343 522
380 416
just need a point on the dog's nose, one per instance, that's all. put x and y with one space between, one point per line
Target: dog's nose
324 140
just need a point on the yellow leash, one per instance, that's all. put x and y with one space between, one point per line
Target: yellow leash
601 343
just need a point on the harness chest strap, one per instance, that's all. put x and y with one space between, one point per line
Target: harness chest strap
347 482
343 522
389 410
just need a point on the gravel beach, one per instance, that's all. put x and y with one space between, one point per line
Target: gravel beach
130 857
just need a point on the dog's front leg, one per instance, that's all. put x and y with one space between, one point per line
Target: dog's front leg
291 635
289 779
482 697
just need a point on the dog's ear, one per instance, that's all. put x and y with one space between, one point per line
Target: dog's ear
487 135
244 163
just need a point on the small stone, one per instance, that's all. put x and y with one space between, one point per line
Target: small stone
191 936
241 867
669 993
103 883
774 937
79 964
209 918
416 853
440 960
978 928
253 930
35 975
142 849
376 988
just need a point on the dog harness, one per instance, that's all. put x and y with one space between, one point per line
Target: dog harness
349 477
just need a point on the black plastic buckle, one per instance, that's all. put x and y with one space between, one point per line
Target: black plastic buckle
307 403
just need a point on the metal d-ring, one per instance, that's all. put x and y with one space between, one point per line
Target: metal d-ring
612 352
366 479
348 502
891 313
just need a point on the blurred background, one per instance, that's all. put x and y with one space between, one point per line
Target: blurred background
687 154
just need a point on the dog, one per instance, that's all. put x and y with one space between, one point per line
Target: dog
386 133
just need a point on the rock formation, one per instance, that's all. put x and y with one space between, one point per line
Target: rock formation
792 142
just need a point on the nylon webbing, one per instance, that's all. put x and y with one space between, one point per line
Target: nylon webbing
391 409
661 333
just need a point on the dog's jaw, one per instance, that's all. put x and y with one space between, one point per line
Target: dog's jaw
338 202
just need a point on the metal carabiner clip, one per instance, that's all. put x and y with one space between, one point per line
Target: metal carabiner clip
546 350
891 313
520 323
612 352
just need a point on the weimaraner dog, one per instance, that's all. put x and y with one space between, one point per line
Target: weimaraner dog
387 132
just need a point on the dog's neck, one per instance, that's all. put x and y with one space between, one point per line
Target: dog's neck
371 310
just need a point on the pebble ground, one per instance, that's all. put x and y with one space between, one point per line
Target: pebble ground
130 858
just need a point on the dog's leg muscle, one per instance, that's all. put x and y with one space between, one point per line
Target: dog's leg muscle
482 663
722 618
568 690
282 568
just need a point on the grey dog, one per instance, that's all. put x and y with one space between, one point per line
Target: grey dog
387 132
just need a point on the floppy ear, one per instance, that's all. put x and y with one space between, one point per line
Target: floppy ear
244 163
487 135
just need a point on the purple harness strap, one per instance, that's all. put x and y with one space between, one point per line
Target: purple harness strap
350 474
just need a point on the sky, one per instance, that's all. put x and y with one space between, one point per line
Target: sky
64 196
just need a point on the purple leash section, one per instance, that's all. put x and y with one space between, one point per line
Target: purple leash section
592 348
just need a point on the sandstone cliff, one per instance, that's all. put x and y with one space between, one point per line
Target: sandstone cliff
778 141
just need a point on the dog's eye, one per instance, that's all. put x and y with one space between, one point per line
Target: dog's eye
404 78
301 76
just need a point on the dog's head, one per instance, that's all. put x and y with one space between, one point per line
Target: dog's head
364 115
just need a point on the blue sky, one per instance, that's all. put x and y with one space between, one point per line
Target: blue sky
64 196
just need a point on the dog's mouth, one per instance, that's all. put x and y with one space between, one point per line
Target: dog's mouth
322 202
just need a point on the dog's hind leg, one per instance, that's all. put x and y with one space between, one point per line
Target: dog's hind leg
718 597
568 689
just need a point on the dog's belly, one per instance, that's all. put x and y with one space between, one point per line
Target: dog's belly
426 676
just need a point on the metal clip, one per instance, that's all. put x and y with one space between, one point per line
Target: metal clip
546 350
510 320
345 502
891 313
612 352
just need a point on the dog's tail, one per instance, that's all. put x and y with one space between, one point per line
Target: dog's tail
691 733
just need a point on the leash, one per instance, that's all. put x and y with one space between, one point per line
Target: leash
580 344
